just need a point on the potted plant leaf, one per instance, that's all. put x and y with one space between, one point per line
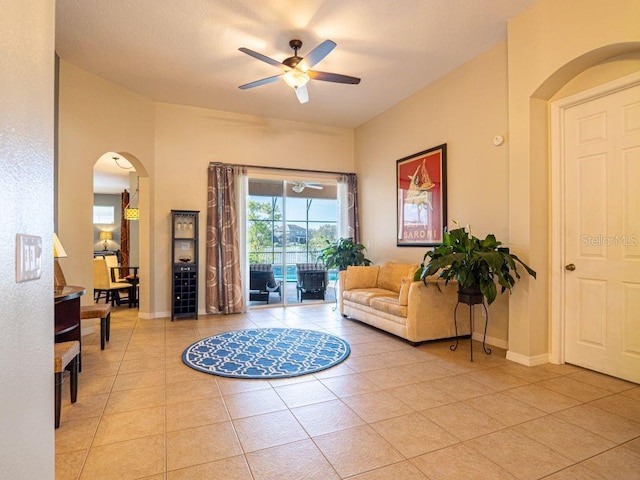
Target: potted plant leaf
476 264
342 253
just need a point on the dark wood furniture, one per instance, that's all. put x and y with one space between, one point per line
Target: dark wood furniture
67 316
132 278
66 356
103 312
184 261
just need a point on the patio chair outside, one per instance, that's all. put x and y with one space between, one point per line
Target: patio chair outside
262 282
313 279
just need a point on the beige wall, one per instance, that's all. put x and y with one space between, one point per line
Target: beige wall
96 117
549 45
171 147
465 109
601 73
26 198
188 139
503 190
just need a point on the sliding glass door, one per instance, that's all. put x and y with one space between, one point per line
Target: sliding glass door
288 223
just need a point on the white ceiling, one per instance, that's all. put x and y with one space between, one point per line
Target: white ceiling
111 176
187 52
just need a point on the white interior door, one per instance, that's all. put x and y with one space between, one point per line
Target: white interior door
601 151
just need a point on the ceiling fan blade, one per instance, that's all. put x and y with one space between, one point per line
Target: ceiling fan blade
264 58
314 186
257 83
333 77
316 55
302 94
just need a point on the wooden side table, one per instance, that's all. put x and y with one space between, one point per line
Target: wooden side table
471 299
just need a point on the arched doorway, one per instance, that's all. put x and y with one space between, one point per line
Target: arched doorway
114 173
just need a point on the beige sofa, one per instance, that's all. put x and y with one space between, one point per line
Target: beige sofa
386 297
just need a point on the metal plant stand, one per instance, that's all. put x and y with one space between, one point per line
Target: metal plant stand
471 298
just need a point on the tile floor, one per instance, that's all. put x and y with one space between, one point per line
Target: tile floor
390 411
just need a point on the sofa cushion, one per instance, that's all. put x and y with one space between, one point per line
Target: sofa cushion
363 296
361 277
391 275
389 305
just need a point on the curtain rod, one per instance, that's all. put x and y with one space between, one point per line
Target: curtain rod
284 169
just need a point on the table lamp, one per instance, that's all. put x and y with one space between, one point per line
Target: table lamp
106 236
58 252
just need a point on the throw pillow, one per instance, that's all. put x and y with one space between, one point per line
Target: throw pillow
391 275
361 277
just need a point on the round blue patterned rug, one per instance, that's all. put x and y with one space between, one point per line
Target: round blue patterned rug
266 353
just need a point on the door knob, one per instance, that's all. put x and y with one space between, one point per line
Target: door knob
571 267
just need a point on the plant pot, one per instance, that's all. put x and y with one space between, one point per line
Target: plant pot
470 295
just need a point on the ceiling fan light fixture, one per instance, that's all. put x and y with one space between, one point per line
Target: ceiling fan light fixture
296 78
297 187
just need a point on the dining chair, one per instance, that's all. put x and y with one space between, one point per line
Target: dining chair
115 270
102 283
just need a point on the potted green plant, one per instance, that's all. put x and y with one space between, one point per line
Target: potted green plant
476 264
342 253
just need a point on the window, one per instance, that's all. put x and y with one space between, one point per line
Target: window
310 222
103 214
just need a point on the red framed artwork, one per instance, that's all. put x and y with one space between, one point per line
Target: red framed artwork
421 182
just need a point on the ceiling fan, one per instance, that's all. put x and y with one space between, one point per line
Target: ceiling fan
299 187
297 70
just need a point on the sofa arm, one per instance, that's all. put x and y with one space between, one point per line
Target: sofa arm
430 311
342 275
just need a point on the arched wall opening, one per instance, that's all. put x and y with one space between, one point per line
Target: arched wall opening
137 185
530 313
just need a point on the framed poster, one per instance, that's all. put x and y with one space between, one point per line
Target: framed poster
421 182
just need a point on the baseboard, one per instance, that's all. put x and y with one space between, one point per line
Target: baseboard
528 361
147 316
495 342
87 326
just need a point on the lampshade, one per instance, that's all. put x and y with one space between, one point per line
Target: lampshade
106 236
58 249
296 78
131 213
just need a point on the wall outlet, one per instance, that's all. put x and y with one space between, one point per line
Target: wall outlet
28 257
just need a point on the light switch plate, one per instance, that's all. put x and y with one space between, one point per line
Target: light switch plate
28 257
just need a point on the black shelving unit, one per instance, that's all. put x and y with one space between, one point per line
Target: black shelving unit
184 261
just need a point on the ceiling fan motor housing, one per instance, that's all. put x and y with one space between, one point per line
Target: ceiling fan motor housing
291 62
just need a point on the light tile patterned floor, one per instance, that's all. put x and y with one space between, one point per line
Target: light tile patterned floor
390 411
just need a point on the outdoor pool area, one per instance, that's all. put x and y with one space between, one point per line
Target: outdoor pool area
292 275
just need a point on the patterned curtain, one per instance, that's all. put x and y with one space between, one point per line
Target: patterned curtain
353 224
224 293
124 236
